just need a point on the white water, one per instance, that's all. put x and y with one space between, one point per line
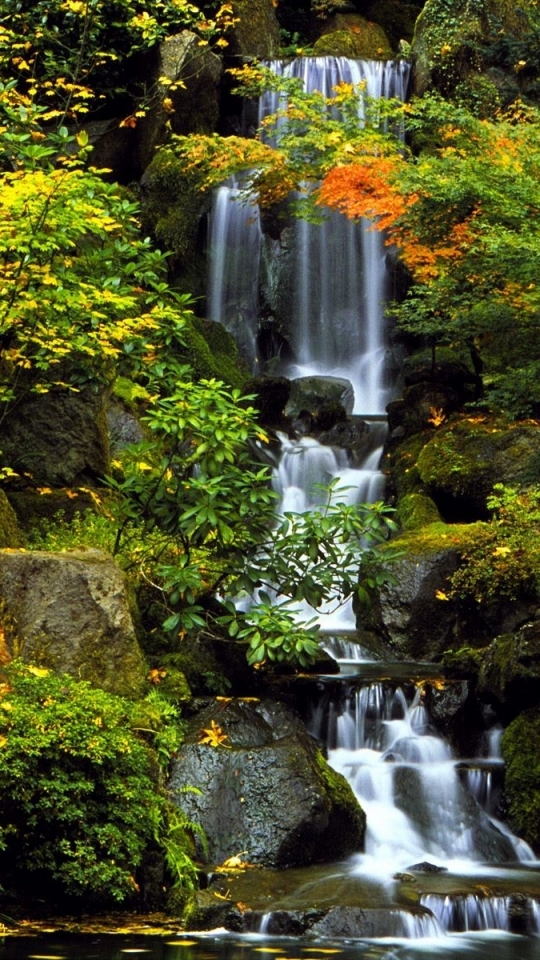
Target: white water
420 806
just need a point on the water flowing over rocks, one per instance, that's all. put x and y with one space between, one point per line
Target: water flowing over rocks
268 793
71 612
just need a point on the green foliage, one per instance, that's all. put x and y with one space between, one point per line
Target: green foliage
503 558
84 297
80 787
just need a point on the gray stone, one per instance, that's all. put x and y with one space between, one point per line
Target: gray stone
266 792
71 612
308 394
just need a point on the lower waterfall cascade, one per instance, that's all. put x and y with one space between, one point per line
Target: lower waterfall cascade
439 873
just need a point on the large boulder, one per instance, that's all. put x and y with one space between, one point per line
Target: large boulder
71 612
266 791
350 35
310 394
418 616
256 34
59 439
187 80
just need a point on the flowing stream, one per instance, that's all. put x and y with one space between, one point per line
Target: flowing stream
437 863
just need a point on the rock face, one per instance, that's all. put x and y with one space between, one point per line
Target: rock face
190 107
59 438
309 394
267 792
70 612
257 32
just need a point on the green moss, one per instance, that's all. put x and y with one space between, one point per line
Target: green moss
402 465
354 36
337 44
521 751
416 510
172 204
215 351
464 662
10 535
340 792
437 536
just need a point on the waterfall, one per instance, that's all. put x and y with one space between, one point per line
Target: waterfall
328 281
339 270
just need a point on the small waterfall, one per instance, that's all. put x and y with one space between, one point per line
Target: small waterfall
381 738
234 243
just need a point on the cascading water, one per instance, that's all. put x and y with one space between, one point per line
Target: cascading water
338 268
430 815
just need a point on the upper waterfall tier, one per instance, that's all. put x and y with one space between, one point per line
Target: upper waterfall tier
324 285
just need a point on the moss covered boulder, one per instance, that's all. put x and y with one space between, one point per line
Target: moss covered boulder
466 456
256 34
350 35
521 751
266 790
71 612
457 51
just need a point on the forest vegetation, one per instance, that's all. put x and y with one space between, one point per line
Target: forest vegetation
87 303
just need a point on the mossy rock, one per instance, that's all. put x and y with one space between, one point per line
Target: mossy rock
350 35
453 42
397 19
257 32
10 535
416 510
465 458
212 353
510 669
172 208
521 751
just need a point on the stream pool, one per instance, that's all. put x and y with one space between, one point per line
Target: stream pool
493 945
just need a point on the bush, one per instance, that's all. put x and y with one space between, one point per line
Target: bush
80 789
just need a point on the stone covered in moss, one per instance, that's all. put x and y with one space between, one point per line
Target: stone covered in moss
10 535
510 669
72 612
350 35
257 32
456 41
416 510
172 207
521 751
465 458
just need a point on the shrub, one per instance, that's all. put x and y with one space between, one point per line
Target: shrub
80 788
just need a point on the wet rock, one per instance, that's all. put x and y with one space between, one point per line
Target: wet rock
354 436
267 791
510 668
426 867
271 397
310 394
71 612
59 439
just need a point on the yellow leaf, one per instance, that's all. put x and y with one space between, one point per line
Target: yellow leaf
38 671
441 595
502 551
